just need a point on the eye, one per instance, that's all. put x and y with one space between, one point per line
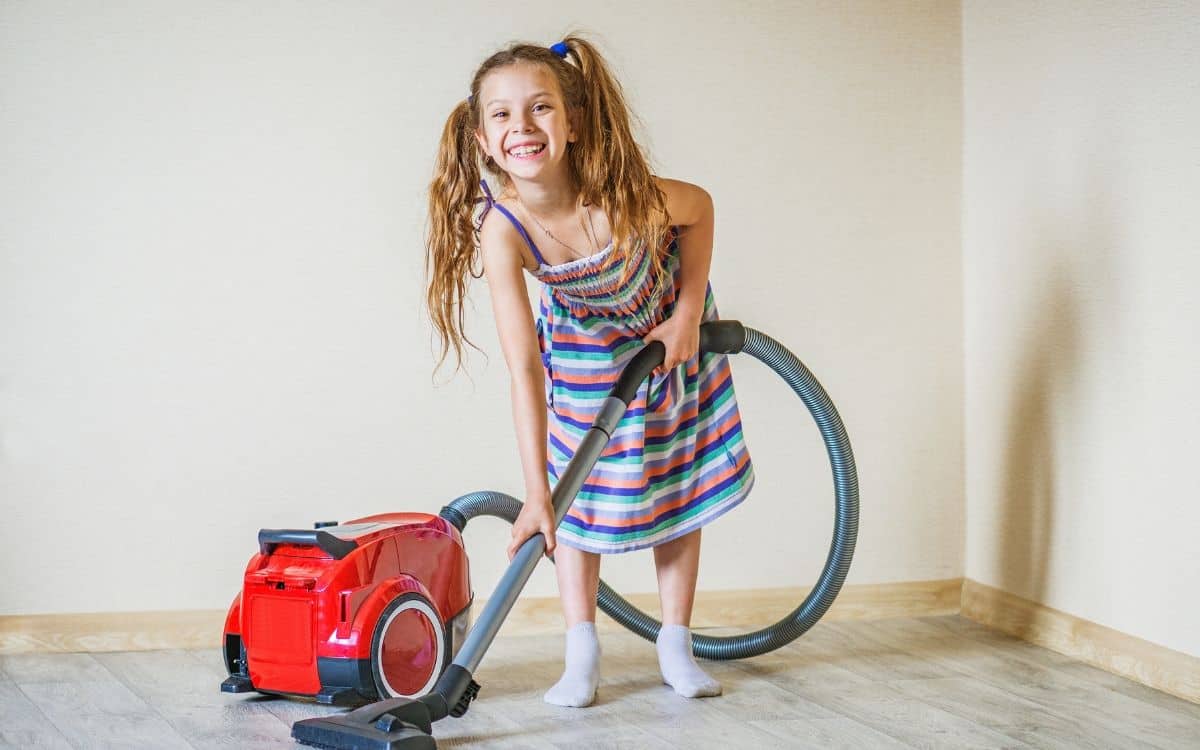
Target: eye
499 113
540 107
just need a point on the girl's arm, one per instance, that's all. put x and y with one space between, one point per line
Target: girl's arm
691 210
503 266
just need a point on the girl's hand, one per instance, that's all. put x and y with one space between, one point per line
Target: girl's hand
680 334
536 517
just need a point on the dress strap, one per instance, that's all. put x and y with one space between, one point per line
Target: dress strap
491 202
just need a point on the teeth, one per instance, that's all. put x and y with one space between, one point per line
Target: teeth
526 150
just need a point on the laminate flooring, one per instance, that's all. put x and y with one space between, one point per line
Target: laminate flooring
932 682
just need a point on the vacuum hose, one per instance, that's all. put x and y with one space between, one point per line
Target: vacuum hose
731 337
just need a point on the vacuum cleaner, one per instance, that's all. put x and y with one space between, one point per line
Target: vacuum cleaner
370 611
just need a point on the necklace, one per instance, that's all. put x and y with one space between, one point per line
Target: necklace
590 235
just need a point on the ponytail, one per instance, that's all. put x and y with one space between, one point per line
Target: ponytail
451 245
610 166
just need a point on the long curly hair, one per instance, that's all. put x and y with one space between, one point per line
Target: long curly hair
606 164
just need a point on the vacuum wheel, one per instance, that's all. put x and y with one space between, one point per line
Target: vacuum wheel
409 649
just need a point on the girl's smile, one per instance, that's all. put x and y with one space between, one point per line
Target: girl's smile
527 150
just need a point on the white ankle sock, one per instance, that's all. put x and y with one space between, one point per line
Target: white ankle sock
581 674
679 669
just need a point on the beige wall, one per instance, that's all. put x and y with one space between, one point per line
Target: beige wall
1081 198
210 278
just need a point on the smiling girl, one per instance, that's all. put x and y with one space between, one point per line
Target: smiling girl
623 259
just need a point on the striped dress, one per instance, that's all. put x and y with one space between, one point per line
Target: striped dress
677 459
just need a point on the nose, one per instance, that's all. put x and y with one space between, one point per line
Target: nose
520 123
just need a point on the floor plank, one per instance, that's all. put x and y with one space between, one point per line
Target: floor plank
103 714
22 724
183 690
1130 688
910 720
1069 696
1015 716
837 733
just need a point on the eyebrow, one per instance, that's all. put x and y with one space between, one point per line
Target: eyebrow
504 101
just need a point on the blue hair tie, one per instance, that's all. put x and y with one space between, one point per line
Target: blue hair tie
561 49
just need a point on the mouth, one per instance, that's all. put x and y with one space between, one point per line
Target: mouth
526 150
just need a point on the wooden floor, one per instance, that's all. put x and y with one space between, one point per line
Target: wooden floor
940 682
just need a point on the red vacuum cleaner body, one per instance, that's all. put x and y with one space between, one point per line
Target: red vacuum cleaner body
370 609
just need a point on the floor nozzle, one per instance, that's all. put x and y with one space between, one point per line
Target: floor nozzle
396 724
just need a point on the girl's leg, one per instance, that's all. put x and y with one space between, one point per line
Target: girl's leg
677 563
578 575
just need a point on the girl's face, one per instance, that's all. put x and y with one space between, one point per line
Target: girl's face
526 126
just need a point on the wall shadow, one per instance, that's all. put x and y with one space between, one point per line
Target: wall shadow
1075 246
1028 497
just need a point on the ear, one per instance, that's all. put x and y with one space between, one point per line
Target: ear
483 148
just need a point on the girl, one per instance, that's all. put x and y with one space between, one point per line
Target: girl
623 259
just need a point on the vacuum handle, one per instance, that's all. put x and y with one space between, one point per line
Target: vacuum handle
269 539
716 336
